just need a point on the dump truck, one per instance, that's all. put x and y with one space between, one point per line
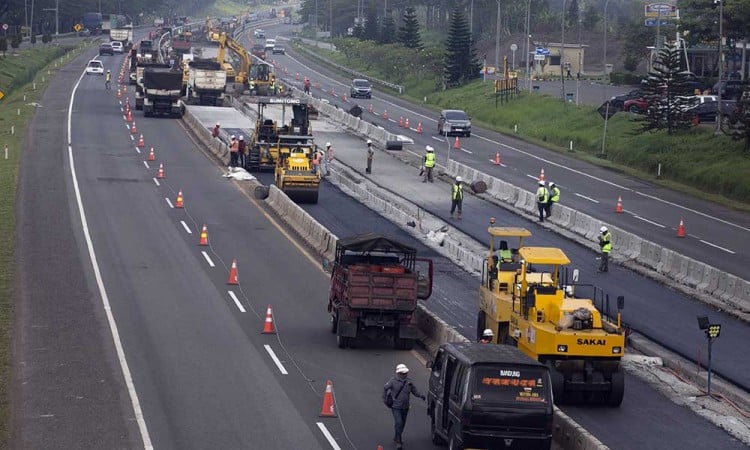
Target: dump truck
528 300
375 285
286 148
141 66
124 35
206 83
162 88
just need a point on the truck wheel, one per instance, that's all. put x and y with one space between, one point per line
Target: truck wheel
342 341
436 439
334 323
481 322
453 444
614 397
558 384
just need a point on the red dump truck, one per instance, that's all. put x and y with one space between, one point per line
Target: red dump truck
375 284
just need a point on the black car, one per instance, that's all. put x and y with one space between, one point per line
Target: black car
105 48
731 89
278 50
617 102
707 111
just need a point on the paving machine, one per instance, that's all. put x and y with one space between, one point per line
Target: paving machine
286 148
526 302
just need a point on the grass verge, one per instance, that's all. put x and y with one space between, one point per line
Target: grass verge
21 72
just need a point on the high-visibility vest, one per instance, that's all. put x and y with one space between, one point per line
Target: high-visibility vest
606 240
542 195
555 197
458 192
429 160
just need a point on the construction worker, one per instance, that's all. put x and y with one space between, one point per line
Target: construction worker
307 86
108 80
554 197
370 154
541 199
233 151
316 161
241 148
605 243
217 128
487 336
457 197
399 389
328 158
429 163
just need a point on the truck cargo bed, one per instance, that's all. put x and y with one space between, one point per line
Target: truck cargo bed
378 287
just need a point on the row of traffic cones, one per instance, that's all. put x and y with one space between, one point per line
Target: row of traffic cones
680 228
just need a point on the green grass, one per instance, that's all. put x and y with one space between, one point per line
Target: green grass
696 162
17 72
224 8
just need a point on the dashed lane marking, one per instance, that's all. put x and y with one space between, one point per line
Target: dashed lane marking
236 301
186 227
208 259
275 359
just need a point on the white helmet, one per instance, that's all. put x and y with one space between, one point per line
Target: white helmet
551 183
369 142
603 229
429 148
328 144
242 138
232 137
218 124
487 333
401 368
459 179
541 182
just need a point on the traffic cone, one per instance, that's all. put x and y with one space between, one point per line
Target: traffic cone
268 326
233 273
333 90
127 102
406 123
401 122
141 144
317 85
419 127
369 108
151 156
132 129
179 202
344 98
125 89
204 237
456 143
541 175
618 208
681 229
119 93
385 114
160 172
497 159
296 76
327 409
130 116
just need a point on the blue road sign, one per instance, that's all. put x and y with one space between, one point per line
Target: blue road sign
655 22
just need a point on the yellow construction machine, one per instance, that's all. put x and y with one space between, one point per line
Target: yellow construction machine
254 74
212 31
526 300
286 148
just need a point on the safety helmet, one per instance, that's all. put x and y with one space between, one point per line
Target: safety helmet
429 148
218 124
369 142
541 182
328 144
459 179
603 229
232 137
551 183
109 71
487 333
401 368
242 138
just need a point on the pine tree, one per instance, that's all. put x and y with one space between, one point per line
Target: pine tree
408 34
738 126
388 30
372 30
460 63
668 93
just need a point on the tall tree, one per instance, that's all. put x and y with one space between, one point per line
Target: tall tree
571 16
408 34
372 30
388 30
460 63
739 124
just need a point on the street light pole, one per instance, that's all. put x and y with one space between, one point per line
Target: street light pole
497 40
562 51
606 78
721 66
471 19
528 49
57 21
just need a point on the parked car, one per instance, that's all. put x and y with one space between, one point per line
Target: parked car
105 48
618 101
636 105
454 122
360 88
731 89
707 111
117 47
279 49
95 67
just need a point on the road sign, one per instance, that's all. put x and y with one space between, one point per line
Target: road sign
539 57
660 10
5 27
1 95
655 22
77 27
513 47
542 51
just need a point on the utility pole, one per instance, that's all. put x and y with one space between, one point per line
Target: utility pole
721 67
497 40
57 21
606 3
528 45
562 51
471 19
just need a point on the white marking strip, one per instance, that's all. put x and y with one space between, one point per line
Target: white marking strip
138 150
127 376
532 177
391 120
328 436
208 259
649 221
132 138
438 139
236 301
467 151
169 202
587 198
145 163
187 228
716 246
127 127
275 359
156 182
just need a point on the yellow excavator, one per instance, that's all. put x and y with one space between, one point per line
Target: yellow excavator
212 32
286 147
526 301
254 74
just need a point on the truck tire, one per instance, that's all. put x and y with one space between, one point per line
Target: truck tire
614 397
453 443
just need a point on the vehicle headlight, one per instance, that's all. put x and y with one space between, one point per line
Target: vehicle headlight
617 350
562 348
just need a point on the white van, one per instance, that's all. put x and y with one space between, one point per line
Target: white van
270 44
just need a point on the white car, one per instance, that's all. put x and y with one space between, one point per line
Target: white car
95 67
270 44
117 46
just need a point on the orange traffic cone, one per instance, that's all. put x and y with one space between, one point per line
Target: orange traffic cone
497 159
233 273
127 102
327 410
541 175
204 237
151 156
385 114
132 129
179 202
119 94
456 143
160 172
419 127
268 326
369 108
130 116
141 144
125 89
344 98
406 123
618 208
681 229
401 122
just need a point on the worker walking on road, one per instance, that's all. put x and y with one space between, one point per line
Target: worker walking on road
307 86
233 151
370 154
328 158
487 336
215 131
605 243
241 148
396 395
108 80
316 161
457 197
554 197
429 164
541 199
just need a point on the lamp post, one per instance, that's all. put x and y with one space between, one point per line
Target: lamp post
606 77
562 51
528 38
497 40
57 21
721 70
712 330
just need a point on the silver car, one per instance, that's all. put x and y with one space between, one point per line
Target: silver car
454 122
360 88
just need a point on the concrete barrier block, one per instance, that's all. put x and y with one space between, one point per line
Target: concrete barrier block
710 280
696 271
728 293
582 224
721 284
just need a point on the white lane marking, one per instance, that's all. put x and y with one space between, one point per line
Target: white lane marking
649 221
438 139
533 177
138 150
127 376
208 259
392 120
328 436
236 301
275 359
716 246
127 127
587 198
132 138
145 163
169 202
501 164
467 151
186 227
156 182
725 222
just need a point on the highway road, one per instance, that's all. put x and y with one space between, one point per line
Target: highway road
715 235
188 355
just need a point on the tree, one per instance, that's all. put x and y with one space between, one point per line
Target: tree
371 25
668 93
460 62
739 123
15 41
571 17
46 38
408 34
634 49
388 30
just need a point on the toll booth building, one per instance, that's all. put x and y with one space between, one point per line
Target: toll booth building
570 56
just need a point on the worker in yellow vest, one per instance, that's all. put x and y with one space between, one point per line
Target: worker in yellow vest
605 243
554 197
457 197
542 196
429 164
